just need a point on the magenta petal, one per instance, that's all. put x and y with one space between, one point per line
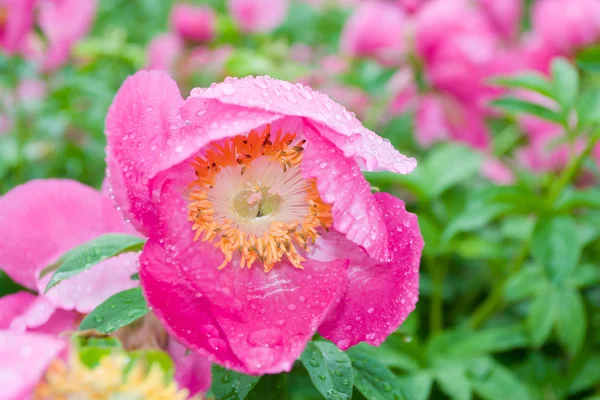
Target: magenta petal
281 311
24 358
192 371
380 295
18 25
142 128
186 313
332 120
87 290
43 219
340 183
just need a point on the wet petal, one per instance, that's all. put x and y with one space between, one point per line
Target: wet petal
24 358
340 183
380 295
192 371
42 219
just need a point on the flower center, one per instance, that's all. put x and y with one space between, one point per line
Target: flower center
250 197
113 377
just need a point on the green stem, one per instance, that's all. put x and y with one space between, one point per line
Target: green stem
436 306
571 170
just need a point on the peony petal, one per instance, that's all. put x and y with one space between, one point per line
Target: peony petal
196 23
24 311
142 127
258 15
192 371
86 291
18 24
338 125
282 310
43 219
340 183
24 358
12 306
380 295
185 313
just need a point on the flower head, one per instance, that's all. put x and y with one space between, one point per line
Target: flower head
16 22
258 15
193 23
262 228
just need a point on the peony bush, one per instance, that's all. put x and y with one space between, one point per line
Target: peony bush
300 199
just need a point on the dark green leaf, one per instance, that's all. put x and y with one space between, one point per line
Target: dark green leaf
7 285
117 311
87 255
513 105
565 80
461 343
231 385
542 315
555 245
529 80
589 59
587 375
330 370
571 320
373 379
269 387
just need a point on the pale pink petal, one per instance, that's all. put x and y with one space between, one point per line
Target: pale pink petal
196 23
431 125
375 28
19 23
26 312
380 295
43 219
192 371
497 172
163 51
12 306
340 183
86 291
258 15
332 120
24 358
62 35
142 128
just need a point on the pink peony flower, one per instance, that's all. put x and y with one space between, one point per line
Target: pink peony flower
194 23
411 6
258 15
567 25
262 228
497 172
34 365
64 23
163 52
16 22
504 16
376 29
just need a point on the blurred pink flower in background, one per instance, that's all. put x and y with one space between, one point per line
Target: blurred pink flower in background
163 52
16 22
503 15
64 22
194 23
248 319
567 25
376 29
258 16
497 172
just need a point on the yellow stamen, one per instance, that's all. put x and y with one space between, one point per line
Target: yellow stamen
228 219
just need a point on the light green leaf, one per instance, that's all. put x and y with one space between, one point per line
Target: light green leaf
589 198
529 80
330 370
447 166
565 81
85 256
499 384
586 375
372 378
555 245
417 386
231 385
571 320
454 383
117 311
542 315
525 283
515 106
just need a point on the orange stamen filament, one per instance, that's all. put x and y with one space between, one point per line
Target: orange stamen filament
250 197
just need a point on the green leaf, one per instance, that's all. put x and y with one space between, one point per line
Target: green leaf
542 315
417 386
330 370
454 383
85 256
269 387
530 80
373 379
587 375
150 357
525 283
555 245
588 108
499 383
589 59
571 199
231 385
117 311
461 343
447 166
8 286
565 80
571 320
515 106
584 276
